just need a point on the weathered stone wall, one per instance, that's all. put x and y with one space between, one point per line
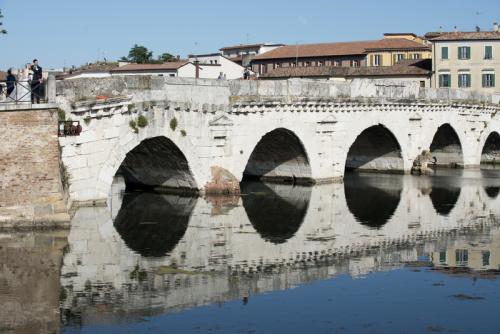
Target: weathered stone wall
30 183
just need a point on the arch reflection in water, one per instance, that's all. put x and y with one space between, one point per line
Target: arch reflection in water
372 198
152 224
276 211
444 193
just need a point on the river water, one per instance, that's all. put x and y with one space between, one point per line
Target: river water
376 254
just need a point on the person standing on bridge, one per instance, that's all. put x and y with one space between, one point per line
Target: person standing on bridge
36 82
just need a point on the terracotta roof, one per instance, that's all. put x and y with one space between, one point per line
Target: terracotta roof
403 68
463 35
341 48
95 67
151 67
242 46
237 59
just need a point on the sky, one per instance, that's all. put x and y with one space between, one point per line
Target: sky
68 32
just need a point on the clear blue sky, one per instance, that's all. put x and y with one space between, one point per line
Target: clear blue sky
68 32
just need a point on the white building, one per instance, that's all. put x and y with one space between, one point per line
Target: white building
243 54
182 69
211 66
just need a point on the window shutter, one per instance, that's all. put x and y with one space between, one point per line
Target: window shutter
484 80
492 80
468 52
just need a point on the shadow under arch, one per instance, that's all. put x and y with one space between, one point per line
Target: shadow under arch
275 211
446 147
279 156
375 149
152 224
490 155
157 163
372 199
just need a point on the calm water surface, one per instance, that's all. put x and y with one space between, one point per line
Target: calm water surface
377 254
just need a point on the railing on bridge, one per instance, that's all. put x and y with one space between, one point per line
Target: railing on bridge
25 91
69 128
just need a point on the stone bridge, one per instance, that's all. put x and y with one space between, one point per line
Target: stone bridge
207 135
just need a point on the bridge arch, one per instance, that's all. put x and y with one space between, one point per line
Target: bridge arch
376 148
150 162
490 153
279 155
446 146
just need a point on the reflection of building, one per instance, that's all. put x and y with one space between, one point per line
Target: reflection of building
482 255
466 60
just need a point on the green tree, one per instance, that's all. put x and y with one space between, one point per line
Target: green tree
140 54
166 57
2 31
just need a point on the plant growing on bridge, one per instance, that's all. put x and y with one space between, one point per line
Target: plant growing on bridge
173 123
183 133
61 115
64 175
133 125
87 120
142 121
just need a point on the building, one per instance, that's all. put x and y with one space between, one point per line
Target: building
94 70
419 70
385 52
212 65
244 53
466 60
184 69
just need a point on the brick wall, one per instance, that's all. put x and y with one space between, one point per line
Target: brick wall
30 185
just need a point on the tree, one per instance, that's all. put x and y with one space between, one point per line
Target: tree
2 31
166 57
140 54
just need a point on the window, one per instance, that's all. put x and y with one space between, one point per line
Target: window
488 52
444 80
486 258
172 74
442 257
336 63
355 63
422 84
377 60
321 63
215 61
415 56
462 257
398 57
488 80
463 52
464 80
444 52
307 64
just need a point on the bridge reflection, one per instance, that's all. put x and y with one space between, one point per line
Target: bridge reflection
152 224
176 252
275 211
372 199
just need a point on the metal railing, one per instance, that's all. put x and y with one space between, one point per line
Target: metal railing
69 128
22 91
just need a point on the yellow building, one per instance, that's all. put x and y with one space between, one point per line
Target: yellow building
388 55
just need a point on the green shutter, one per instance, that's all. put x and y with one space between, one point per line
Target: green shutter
468 52
492 80
488 52
484 80
444 52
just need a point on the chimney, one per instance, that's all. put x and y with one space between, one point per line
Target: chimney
495 27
